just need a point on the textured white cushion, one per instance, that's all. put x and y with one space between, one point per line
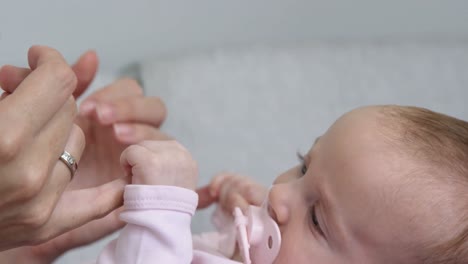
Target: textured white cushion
249 110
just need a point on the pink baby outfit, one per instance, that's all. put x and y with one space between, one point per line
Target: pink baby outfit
158 230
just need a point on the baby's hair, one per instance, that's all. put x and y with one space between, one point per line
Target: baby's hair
441 141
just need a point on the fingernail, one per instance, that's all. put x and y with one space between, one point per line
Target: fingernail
105 113
87 107
123 130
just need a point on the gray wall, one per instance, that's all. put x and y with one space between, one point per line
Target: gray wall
125 31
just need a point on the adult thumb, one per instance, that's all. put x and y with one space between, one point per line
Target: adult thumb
85 70
78 207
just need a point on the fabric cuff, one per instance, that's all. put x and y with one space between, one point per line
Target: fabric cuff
160 197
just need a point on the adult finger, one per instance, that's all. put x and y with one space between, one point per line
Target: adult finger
43 92
121 88
30 164
38 210
82 235
12 76
78 207
61 135
85 69
132 133
149 110
38 55
75 147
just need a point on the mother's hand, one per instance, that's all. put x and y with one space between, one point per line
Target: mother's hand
111 119
36 124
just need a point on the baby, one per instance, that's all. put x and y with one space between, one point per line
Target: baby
384 184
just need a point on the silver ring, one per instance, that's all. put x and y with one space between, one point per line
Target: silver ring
68 159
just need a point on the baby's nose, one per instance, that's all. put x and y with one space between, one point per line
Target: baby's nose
278 204
272 213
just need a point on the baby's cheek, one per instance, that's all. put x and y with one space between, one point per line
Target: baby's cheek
289 252
287 255
293 255
299 247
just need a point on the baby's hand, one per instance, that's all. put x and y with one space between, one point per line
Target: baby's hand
160 163
231 191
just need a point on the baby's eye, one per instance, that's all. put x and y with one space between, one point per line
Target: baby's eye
302 161
303 169
314 221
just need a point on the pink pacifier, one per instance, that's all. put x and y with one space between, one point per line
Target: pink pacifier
258 235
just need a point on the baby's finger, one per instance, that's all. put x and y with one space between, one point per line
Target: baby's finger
254 193
228 189
133 155
217 182
204 197
234 200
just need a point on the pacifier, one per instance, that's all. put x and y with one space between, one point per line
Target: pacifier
258 235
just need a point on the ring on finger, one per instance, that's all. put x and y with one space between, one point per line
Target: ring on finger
70 161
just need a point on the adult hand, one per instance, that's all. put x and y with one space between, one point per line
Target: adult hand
133 118
37 126
112 119
230 191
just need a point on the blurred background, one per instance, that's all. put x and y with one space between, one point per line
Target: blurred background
249 83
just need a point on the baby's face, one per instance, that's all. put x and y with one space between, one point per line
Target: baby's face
356 201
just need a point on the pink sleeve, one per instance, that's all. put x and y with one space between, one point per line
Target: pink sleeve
158 226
